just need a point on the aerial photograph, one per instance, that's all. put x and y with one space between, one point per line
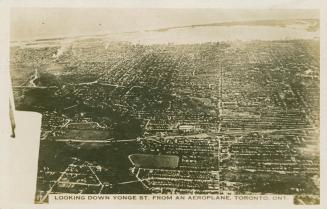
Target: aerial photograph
171 101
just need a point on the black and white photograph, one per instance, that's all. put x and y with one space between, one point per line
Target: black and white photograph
168 102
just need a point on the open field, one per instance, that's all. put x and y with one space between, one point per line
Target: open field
154 161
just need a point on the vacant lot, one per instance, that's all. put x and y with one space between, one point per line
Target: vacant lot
154 161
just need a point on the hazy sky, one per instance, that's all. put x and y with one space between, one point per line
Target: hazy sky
33 23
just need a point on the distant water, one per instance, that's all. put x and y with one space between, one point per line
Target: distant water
216 34
191 35
39 23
